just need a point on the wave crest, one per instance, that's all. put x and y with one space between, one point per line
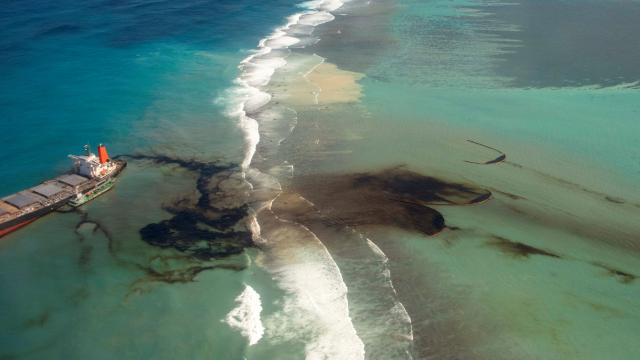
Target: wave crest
245 317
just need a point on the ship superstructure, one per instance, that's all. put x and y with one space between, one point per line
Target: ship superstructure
90 172
92 166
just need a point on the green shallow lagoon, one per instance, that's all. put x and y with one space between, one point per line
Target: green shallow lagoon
546 269
342 267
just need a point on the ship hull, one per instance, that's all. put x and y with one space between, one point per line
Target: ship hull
13 228
26 219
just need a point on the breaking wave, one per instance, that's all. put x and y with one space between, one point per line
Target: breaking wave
245 317
316 307
398 308
316 304
247 96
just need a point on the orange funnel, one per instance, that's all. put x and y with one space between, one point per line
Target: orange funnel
102 154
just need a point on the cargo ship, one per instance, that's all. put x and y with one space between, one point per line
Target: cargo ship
91 177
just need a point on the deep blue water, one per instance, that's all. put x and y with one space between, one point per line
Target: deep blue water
75 72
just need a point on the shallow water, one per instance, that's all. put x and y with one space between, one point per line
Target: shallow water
526 274
361 141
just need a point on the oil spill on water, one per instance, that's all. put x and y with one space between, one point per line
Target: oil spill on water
500 158
518 249
614 200
622 276
372 202
511 196
95 226
395 197
201 228
212 226
182 275
400 198
561 181
87 225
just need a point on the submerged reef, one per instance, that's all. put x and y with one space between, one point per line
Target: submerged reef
210 226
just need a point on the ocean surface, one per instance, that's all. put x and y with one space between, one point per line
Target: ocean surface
330 179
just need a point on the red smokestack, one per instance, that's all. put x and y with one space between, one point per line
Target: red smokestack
102 154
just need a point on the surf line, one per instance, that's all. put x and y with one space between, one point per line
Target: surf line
319 300
502 157
245 317
256 70
387 272
248 96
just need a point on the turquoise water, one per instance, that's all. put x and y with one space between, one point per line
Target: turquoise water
115 72
515 71
293 109
139 77
444 73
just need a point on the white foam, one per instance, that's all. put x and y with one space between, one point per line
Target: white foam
328 5
281 42
398 308
377 251
257 69
317 304
316 284
316 18
245 317
246 97
256 100
254 227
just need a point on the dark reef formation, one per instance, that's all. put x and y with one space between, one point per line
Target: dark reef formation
209 227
